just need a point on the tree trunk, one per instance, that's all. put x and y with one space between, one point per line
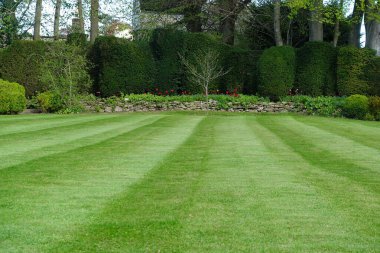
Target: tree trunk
94 20
37 20
315 23
57 16
357 18
277 23
228 29
80 16
336 33
372 27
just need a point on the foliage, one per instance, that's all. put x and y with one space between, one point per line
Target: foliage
351 66
356 107
322 106
50 101
12 97
166 45
243 74
374 107
276 72
22 63
121 66
78 39
65 69
372 74
316 69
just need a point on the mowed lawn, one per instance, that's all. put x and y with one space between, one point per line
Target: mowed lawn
188 182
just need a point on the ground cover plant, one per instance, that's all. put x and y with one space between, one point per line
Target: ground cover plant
186 182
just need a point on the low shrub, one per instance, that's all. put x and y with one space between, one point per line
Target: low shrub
374 107
50 101
356 107
322 106
316 69
276 72
351 70
12 97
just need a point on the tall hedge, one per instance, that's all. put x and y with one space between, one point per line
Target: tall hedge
373 76
276 70
351 75
243 72
12 97
121 66
316 69
166 45
21 63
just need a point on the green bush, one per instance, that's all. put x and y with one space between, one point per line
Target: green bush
322 106
356 107
374 107
50 101
276 72
78 39
21 63
316 69
372 74
352 63
121 66
12 97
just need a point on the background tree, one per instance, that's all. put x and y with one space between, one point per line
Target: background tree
94 20
37 20
57 16
277 22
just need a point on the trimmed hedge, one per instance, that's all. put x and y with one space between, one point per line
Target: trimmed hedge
276 72
243 74
373 76
12 97
167 44
121 66
21 63
316 69
351 74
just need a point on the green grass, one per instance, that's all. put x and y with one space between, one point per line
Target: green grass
188 182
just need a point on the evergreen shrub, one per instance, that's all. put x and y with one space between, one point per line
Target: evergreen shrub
276 72
316 69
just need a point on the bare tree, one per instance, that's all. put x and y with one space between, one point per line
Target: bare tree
204 69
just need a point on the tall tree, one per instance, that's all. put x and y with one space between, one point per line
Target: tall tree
372 25
80 16
94 20
37 20
193 15
356 20
315 23
57 16
229 11
277 23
